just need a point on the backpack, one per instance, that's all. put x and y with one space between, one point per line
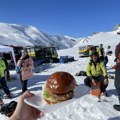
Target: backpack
81 73
117 50
8 109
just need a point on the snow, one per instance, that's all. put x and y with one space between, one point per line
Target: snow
86 107
21 35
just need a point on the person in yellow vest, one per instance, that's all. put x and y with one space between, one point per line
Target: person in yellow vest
96 71
93 49
2 78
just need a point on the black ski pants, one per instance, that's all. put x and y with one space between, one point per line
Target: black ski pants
87 81
24 84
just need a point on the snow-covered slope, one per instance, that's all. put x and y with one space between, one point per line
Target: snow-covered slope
14 34
106 38
86 107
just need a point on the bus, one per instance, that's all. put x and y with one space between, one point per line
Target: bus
43 54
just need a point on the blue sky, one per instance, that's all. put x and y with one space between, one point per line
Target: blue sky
75 18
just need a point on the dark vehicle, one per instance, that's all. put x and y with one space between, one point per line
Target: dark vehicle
43 54
39 54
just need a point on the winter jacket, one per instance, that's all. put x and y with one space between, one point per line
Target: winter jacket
26 66
2 68
117 76
97 70
117 50
117 72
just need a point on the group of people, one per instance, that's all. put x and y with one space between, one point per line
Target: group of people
96 68
96 71
24 69
102 52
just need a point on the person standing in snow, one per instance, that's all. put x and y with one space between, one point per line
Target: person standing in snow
25 66
117 75
105 55
101 49
7 73
2 77
96 71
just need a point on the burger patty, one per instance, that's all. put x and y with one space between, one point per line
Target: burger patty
60 97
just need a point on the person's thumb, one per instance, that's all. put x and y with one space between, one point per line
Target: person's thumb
27 94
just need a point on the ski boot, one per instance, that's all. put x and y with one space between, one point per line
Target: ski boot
117 107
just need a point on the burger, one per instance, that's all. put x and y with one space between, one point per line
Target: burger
59 87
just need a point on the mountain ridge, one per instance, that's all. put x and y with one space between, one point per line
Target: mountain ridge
21 35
